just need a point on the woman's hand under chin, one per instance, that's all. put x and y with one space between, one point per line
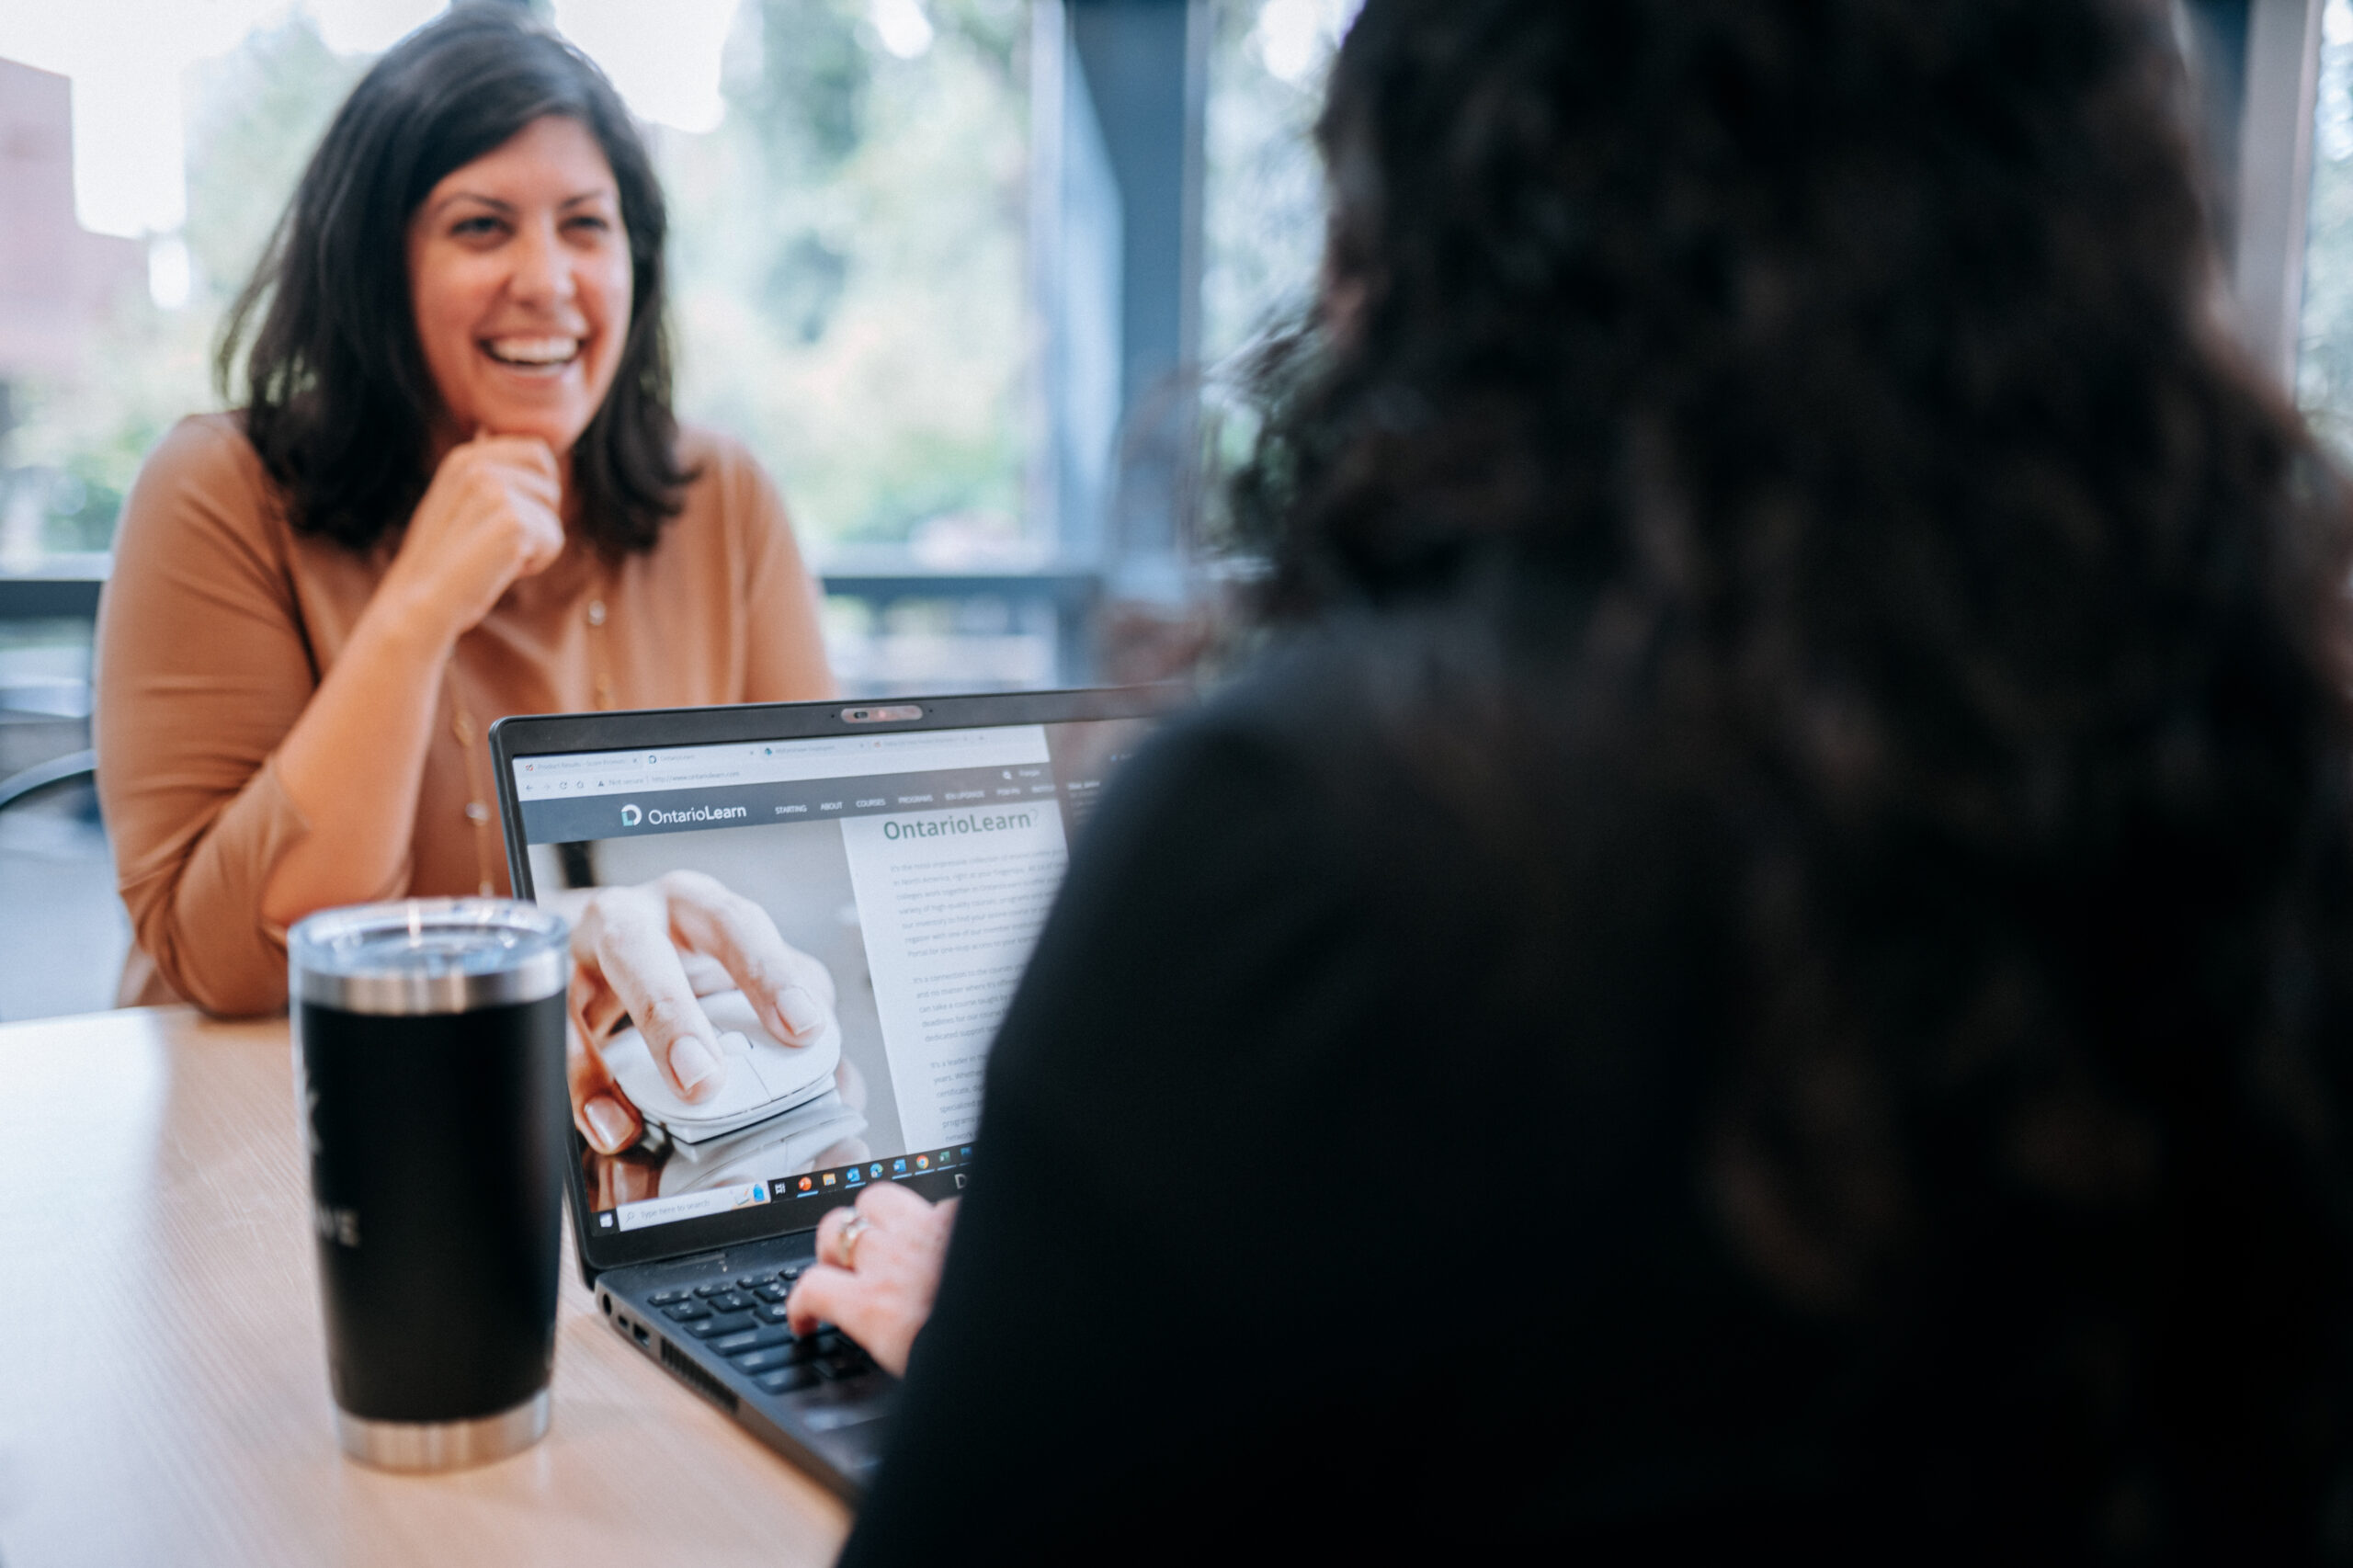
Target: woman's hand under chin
493 515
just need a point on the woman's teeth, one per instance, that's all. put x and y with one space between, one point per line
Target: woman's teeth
533 351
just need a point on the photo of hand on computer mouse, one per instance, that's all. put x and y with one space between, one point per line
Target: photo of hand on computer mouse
726 1022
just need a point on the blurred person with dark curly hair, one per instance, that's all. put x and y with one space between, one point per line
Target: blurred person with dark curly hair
1768 964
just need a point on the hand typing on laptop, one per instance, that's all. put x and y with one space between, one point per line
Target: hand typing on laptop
650 953
877 1270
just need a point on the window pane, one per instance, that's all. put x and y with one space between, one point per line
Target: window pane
2325 365
1263 197
214 156
849 261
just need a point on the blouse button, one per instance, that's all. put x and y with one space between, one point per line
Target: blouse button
476 812
596 612
462 730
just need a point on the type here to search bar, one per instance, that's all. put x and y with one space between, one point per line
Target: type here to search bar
770 762
691 1205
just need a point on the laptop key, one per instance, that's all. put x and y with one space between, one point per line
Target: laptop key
730 1302
838 1367
685 1312
664 1298
786 1354
786 1380
770 1292
715 1287
722 1325
770 1311
752 1339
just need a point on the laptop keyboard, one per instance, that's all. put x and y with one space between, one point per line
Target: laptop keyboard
743 1320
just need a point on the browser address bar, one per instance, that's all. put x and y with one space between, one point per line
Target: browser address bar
824 756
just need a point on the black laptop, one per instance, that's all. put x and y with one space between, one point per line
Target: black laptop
912 847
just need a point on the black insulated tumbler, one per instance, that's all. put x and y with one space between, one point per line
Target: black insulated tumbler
429 1057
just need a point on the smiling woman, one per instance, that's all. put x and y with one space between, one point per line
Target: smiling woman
455 490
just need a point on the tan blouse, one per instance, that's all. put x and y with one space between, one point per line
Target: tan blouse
220 622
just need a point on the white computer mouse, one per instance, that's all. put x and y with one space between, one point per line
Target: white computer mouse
773 1150
760 1076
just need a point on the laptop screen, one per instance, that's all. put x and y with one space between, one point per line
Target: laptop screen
915 866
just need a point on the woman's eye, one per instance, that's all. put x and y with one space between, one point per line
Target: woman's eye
475 227
590 225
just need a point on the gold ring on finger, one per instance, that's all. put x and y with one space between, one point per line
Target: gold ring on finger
857 1226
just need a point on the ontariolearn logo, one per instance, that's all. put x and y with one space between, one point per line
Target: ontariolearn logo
632 816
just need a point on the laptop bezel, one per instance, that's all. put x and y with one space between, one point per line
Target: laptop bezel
518 736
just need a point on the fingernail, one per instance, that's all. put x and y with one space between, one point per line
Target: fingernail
802 1014
693 1063
609 1122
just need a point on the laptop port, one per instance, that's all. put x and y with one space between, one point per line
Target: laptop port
639 1329
606 1297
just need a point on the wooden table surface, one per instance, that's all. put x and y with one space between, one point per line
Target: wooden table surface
162 1374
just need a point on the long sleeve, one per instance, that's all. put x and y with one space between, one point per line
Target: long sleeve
1142 1076
203 667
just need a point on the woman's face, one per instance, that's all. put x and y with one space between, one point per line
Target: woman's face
520 276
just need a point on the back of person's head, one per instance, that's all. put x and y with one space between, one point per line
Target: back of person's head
1817 407
339 398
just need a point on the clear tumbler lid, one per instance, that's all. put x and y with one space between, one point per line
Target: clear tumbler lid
441 955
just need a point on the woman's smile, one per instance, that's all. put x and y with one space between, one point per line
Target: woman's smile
542 358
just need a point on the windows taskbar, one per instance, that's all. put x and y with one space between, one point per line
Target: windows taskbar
869 1172
933 1173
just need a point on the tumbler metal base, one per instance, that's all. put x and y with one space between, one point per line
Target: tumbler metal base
443 1445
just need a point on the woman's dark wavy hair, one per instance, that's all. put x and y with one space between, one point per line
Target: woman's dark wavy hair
1822 406
339 398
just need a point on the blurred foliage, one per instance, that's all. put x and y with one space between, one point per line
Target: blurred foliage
848 250
1263 195
808 99
255 116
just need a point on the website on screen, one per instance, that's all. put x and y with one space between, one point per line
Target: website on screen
916 867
